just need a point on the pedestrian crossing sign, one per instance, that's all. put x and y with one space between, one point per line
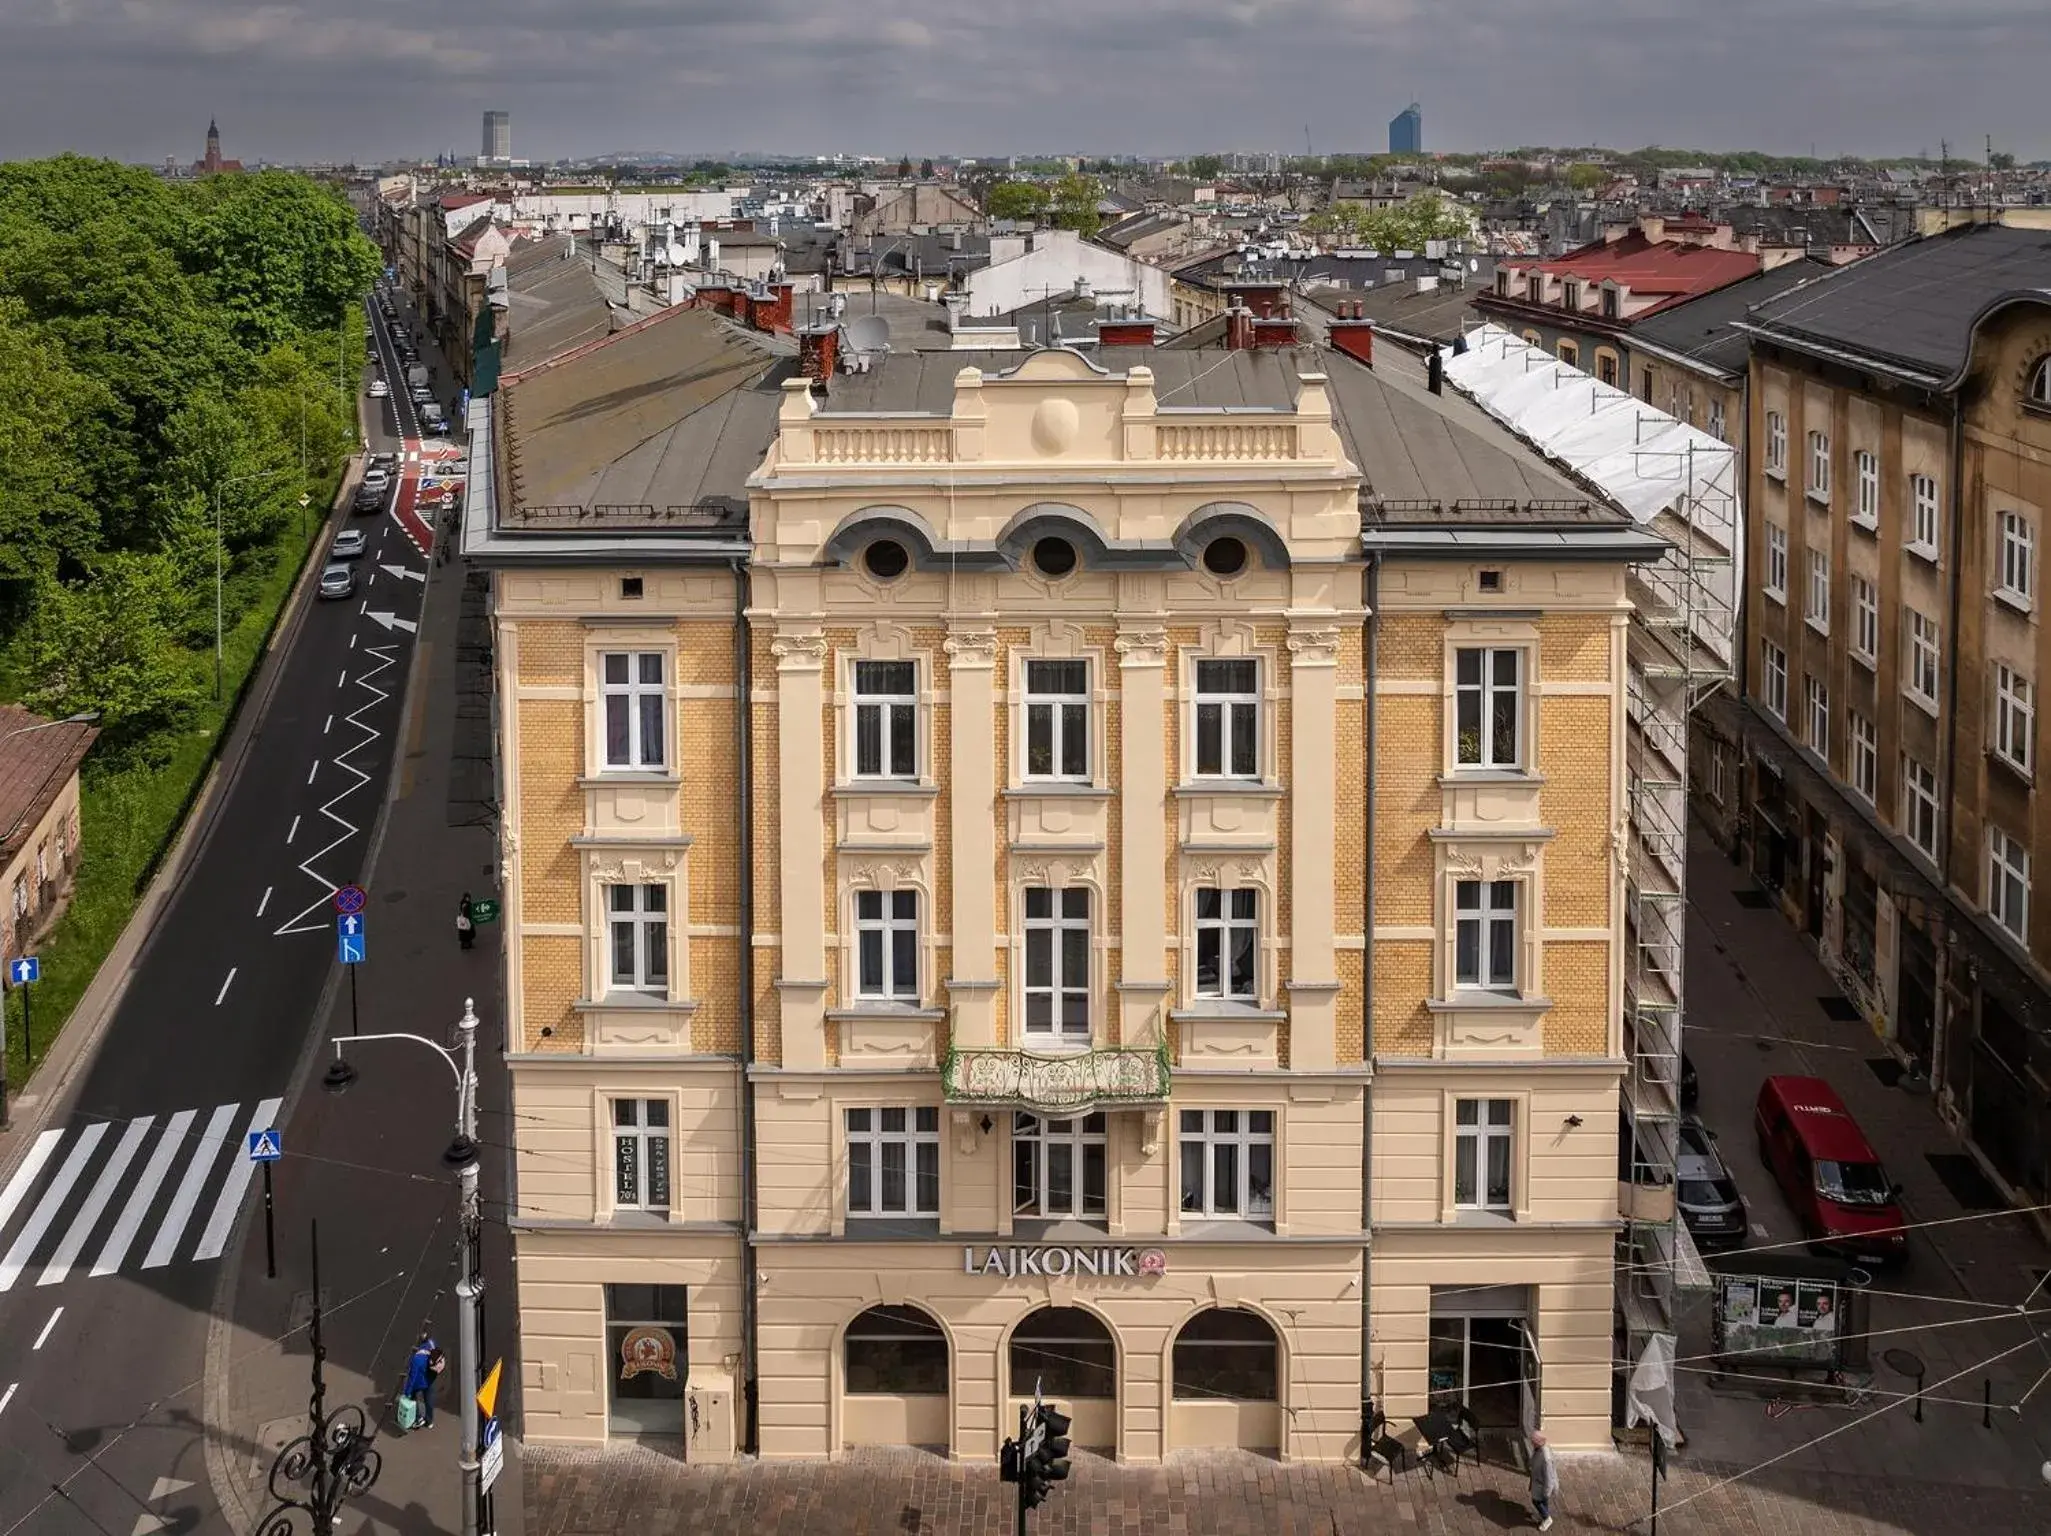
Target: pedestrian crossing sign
266 1146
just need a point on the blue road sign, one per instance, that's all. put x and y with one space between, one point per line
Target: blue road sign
349 948
350 924
24 971
350 898
266 1146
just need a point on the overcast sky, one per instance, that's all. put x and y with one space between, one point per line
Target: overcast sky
374 79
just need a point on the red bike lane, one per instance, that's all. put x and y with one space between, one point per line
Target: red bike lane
426 471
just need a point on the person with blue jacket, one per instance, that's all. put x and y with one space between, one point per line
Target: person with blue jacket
420 1374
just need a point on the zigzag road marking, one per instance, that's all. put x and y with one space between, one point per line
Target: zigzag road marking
313 918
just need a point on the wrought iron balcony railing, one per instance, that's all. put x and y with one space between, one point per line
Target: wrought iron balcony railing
1075 1084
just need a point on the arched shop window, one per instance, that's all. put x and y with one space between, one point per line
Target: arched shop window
1225 1354
896 1350
1067 1351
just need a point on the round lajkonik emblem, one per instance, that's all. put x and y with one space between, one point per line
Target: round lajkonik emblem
646 1350
1152 1261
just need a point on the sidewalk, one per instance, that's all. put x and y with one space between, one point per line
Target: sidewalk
367 1164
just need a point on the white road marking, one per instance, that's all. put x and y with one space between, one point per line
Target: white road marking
328 726
26 1240
370 583
226 982
403 574
393 621
315 918
342 680
361 606
44 1337
292 832
204 1153
265 902
164 1487
89 1214
147 1524
314 771
352 638
25 1176
215 1237
7 1396
123 1235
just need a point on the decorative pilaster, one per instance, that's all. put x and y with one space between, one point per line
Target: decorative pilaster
801 818
972 714
1143 831
1313 792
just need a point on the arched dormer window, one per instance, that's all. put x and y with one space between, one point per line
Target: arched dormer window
2039 392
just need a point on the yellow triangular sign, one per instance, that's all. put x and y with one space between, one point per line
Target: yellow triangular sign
488 1394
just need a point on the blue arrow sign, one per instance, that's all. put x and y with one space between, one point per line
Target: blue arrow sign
266 1146
349 948
350 924
24 971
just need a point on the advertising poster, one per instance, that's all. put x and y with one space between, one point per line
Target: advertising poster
1781 1322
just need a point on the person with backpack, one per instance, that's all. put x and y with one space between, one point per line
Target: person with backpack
421 1370
466 926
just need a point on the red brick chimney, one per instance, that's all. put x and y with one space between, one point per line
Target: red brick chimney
1266 300
780 306
1125 333
1274 331
1238 328
1354 337
819 353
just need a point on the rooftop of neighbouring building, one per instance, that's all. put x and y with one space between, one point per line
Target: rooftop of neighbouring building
1676 271
1702 331
1914 305
553 302
37 759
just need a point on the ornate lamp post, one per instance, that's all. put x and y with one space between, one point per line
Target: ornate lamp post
333 1461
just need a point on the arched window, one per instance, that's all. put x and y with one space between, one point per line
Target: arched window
896 1350
2040 383
1224 1354
1067 1351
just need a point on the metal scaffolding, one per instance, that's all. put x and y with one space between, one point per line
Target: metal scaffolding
1682 484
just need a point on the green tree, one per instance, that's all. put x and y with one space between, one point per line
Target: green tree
276 254
48 410
1021 200
1075 200
2001 160
1203 167
904 169
108 643
1426 216
925 170
1585 177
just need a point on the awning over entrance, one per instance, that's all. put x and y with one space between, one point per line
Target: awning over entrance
1118 1077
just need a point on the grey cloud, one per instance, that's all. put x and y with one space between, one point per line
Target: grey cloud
370 79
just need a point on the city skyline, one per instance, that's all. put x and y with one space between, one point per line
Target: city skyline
294 83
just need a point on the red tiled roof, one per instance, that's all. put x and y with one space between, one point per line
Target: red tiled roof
37 758
1671 270
455 200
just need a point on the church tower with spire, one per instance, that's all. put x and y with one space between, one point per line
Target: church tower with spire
212 163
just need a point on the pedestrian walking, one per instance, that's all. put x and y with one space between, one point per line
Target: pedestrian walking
420 1374
466 926
1545 1481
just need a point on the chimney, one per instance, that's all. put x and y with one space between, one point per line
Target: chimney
1238 328
1652 226
780 305
1353 336
1125 332
819 353
1435 372
957 304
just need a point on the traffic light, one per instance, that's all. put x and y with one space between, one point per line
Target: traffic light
1048 1463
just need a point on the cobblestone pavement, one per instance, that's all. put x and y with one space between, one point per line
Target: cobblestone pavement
910 1493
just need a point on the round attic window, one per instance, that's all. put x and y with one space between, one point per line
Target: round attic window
1053 557
1225 557
886 560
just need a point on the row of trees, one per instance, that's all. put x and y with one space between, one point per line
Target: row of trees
160 344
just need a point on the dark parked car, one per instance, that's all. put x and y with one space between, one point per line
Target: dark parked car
1691 1087
1706 1193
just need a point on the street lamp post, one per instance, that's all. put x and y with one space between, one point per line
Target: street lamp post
461 1156
220 486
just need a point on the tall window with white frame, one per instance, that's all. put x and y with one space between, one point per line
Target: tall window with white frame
1919 805
1227 943
1058 1167
887 946
1921 683
640 1154
634 698
1819 715
1776 562
2008 883
1866 510
1488 694
1483 1143
1819 466
2015 718
1228 1163
1865 620
1776 444
2018 569
1817 609
893 1161
1773 679
1228 705
1716 420
1485 935
1923 530
1057 720
1057 964
1862 755
637 917
886 720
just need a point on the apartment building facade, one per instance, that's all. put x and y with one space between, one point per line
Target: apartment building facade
1880 774
938 880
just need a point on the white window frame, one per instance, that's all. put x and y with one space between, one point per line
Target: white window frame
1818 712
1817 486
1925 657
1776 582
1050 1141
2016 557
1236 914
1862 756
1061 988
1866 502
896 716
1062 713
631 697
641 1151
1229 705
1494 1124
2015 718
1486 908
2040 383
1925 517
1225 1143
1919 807
872 1140
880 915
644 923
1816 607
1776 445
1773 679
1865 637
1487 694
2008 883
1716 420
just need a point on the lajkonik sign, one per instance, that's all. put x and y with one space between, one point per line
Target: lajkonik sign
1102 1263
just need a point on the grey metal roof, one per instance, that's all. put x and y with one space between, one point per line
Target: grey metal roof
1914 305
554 303
1701 330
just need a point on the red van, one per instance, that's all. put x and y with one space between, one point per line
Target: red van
1829 1172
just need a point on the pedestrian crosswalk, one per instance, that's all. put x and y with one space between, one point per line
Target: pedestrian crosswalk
77 1193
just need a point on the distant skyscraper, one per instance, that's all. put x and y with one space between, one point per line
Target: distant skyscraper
1406 131
498 135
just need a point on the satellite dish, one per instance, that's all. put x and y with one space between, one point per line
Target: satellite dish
869 333
673 254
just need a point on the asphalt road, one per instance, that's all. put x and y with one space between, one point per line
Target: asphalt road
141 1175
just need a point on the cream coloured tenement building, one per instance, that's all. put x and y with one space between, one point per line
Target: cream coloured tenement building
949 807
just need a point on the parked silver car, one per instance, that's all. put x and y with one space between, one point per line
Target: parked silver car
338 581
1706 1193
